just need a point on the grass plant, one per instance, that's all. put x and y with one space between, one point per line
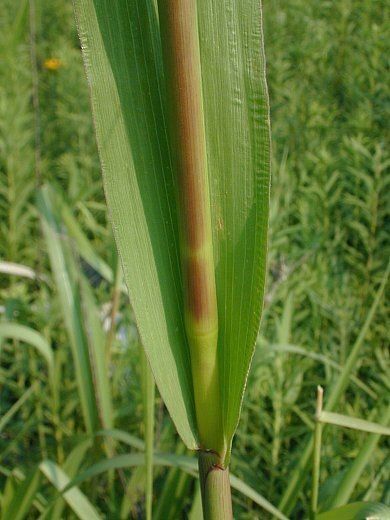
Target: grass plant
324 318
186 174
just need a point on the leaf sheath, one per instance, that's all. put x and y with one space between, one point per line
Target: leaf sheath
180 41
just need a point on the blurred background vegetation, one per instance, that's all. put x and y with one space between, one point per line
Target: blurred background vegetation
329 249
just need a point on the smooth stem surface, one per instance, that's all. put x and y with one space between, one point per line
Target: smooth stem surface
215 488
148 394
180 43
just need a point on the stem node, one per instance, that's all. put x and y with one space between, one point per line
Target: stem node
215 487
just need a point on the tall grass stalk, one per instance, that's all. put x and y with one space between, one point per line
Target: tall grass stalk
186 170
179 34
180 40
328 251
317 452
148 395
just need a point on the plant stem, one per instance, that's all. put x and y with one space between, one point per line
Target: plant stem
35 92
180 43
317 452
148 394
215 487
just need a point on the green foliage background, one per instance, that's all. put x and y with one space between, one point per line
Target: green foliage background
328 253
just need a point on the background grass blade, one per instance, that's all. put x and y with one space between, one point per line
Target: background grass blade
17 270
355 469
357 511
60 254
84 248
353 422
29 336
298 476
124 437
74 497
15 408
294 349
175 491
196 512
258 499
185 463
70 466
21 503
95 338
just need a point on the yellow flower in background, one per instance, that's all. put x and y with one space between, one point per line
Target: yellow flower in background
52 64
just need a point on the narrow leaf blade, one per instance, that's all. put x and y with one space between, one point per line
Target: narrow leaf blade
74 497
23 498
187 464
238 148
29 336
70 302
357 511
122 56
95 338
353 422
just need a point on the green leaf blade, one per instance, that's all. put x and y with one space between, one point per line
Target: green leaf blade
354 423
75 498
123 49
357 511
95 339
23 498
29 336
63 269
123 58
186 464
238 142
